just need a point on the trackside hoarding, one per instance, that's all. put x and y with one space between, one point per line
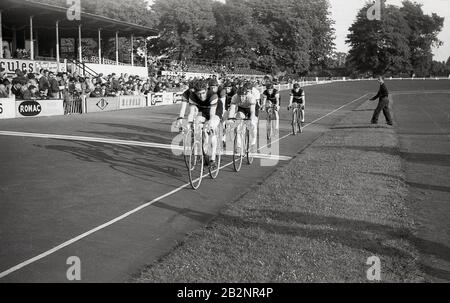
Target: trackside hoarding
103 104
132 102
7 108
38 108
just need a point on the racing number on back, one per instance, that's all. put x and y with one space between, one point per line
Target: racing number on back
1 108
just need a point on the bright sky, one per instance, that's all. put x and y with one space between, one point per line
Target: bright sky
344 13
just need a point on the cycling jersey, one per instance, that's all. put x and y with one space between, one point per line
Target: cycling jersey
186 95
244 103
222 94
204 107
271 97
297 96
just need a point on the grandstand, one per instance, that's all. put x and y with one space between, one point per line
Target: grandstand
41 35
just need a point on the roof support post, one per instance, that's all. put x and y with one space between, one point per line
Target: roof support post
100 46
145 54
80 51
132 50
57 44
31 39
1 36
117 48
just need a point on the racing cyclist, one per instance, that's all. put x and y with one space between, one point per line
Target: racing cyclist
298 97
243 106
271 97
202 104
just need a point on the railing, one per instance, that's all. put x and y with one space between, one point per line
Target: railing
85 69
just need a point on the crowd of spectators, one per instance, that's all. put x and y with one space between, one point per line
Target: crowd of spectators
200 66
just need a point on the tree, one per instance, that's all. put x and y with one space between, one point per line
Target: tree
422 37
380 46
184 26
400 43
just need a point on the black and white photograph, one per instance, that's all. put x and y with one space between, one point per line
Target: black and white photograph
224 148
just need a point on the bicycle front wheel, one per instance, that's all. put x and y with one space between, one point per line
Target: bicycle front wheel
294 121
214 172
247 147
196 164
238 153
299 120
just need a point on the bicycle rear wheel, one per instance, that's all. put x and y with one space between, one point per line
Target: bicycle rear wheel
214 172
196 164
238 155
269 129
188 141
294 121
247 147
299 120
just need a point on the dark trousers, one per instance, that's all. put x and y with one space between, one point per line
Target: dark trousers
383 105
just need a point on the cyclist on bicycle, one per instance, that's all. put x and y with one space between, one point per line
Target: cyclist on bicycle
204 102
243 106
222 95
298 97
271 98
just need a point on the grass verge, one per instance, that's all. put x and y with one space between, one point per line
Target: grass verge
317 219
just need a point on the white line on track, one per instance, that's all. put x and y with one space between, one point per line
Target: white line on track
121 142
127 214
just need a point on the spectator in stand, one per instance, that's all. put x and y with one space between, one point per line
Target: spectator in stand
31 93
146 89
97 92
16 90
44 84
53 90
6 52
88 86
158 88
4 79
19 77
115 85
3 91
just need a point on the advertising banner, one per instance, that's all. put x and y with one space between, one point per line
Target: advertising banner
28 66
132 102
103 104
156 99
7 108
39 108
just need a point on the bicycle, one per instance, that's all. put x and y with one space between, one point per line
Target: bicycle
194 153
271 119
297 117
241 130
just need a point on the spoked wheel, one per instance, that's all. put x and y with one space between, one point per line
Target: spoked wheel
294 122
196 162
214 171
299 121
247 147
238 156
188 140
269 130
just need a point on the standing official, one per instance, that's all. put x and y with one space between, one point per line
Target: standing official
383 104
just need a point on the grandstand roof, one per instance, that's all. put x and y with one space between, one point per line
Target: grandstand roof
17 13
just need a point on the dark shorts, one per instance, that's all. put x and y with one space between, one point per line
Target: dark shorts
246 111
